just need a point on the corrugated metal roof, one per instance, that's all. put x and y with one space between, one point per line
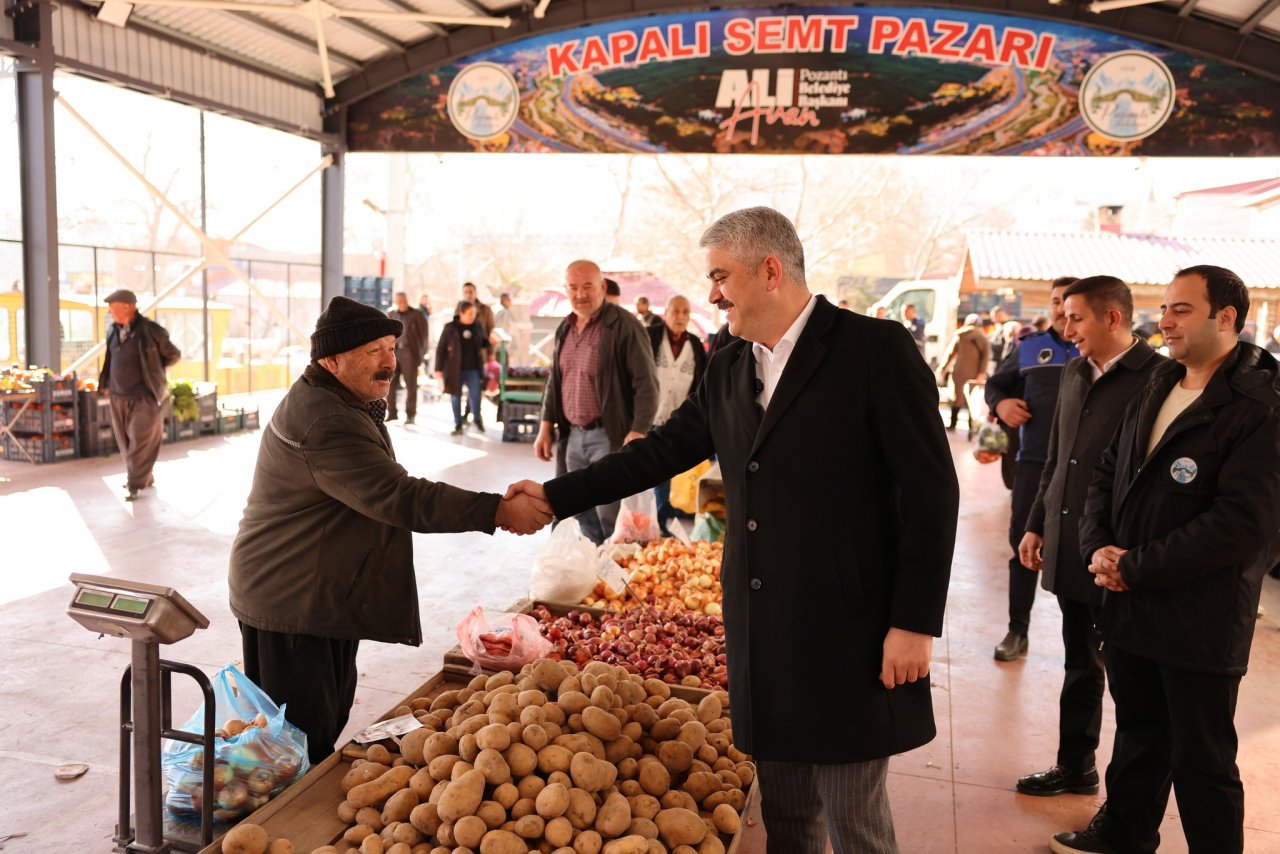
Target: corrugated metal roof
1247 191
1139 259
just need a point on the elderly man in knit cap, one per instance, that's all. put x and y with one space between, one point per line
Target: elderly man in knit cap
324 555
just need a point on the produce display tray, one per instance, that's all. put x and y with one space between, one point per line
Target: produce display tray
306 812
456 662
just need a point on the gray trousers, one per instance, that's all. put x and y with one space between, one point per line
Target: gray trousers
803 804
138 423
584 448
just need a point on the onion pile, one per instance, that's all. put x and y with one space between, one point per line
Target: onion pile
668 575
679 648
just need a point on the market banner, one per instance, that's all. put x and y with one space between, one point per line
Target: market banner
838 80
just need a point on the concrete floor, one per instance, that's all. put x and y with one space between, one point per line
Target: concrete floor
59 685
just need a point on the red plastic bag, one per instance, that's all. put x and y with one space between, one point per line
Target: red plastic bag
501 641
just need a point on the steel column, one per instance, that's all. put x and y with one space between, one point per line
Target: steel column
38 180
332 199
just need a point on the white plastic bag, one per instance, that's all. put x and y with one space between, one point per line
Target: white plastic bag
564 571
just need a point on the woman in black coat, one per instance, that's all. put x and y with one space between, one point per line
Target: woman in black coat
460 362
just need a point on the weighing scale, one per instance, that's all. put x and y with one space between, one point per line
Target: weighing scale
148 615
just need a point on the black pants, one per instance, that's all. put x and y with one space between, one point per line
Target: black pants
315 678
1174 728
1080 703
1022 581
406 369
1009 461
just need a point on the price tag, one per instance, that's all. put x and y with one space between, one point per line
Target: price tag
387 728
676 527
613 575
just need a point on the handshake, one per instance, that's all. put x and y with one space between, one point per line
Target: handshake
524 509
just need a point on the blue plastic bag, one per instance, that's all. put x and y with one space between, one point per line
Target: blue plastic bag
257 753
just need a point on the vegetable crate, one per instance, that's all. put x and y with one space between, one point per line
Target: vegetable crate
207 424
41 418
97 441
519 431
230 420
509 411
251 418
181 431
40 449
56 389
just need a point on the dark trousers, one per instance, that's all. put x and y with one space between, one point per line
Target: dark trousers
1173 727
1080 703
666 512
804 804
315 678
406 369
138 423
1022 581
1009 461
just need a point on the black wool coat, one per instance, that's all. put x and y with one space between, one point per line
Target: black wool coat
1199 517
842 503
1085 419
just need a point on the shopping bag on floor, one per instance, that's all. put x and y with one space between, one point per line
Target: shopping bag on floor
684 488
257 753
501 641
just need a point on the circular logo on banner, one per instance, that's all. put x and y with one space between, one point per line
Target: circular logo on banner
483 100
1127 96
1184 470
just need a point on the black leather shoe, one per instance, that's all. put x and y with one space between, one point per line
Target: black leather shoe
1060 781
1013 646
391 416
1087 841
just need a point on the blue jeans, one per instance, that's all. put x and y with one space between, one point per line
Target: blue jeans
471 381
585 447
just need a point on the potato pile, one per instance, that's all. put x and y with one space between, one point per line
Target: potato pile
669 575
552 760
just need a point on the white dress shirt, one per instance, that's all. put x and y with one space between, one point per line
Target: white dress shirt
1111 363
770 363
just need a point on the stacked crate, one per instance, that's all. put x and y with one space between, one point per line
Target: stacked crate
42 422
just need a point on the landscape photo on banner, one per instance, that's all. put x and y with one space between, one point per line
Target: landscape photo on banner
839 80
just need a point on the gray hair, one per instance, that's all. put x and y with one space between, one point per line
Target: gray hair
972 319
751 234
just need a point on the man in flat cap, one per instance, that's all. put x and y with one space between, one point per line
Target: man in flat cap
324 555
138 351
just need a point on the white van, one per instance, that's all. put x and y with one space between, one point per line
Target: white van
936 300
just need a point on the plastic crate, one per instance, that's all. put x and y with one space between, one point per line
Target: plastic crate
524 430
207 423
56 389
43 419
181 431
39 449
230 420
252 420
509 411
369 290
95 409
97 441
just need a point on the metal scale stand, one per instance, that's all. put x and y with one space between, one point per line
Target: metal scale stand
149 615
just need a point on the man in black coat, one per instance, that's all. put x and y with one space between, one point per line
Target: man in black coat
1179 528
133 375
1095 390
842 502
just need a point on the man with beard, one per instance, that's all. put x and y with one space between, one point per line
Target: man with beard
324 555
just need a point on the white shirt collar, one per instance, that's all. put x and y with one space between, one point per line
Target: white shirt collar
771 363
1098 372
791 335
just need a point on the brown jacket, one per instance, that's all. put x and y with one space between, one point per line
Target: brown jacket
325 546
966 358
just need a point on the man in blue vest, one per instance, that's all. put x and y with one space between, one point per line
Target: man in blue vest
1023 393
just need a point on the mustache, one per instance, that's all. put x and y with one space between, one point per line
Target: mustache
724 305
383 376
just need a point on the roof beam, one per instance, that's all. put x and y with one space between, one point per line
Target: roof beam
1188 7
275 30
1257 17
369 32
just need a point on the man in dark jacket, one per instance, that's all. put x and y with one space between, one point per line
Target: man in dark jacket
410 347
324 555
602 391
1022 393
138 351
460 363
840 557
1114 365
1179 528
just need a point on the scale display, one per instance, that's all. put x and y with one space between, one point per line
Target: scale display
133 610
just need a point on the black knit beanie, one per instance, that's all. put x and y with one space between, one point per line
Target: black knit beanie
346 324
